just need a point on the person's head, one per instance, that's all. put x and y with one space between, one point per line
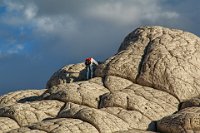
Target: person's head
88 61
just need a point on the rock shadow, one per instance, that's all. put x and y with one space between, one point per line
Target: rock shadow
30 99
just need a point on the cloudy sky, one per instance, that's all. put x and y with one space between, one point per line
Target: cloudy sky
37 37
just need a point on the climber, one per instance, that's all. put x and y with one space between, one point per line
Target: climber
90 64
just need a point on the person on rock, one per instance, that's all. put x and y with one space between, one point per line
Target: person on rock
90 64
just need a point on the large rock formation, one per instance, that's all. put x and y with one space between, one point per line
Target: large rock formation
151 84
161 58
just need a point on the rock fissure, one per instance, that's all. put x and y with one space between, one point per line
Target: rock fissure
143 59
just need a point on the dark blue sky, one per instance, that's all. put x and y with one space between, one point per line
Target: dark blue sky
37 37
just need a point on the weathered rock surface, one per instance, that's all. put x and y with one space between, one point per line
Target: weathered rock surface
26 130
63 125
7 124
114 83
162 58
152 104
134 131
60 125
20 96
135 119
103 121
185 121
29 113
138 90
84 93
97 80
67 74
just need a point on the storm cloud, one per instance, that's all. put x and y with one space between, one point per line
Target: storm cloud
38 37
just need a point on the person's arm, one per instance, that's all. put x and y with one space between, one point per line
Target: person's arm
95 62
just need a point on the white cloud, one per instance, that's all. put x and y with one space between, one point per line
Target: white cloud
114 12
27 14
62 24
30 11
18 13
126 13
66 22
45 24
12 6
10 50
15 49
171 15
19 47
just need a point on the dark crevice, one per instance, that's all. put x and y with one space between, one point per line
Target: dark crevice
103 81
101 100
30 99
33 128
62 108
152 126
144 57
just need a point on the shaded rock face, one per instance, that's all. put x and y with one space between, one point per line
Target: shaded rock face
194 102
150 85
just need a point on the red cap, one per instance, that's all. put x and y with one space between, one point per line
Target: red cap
88 59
